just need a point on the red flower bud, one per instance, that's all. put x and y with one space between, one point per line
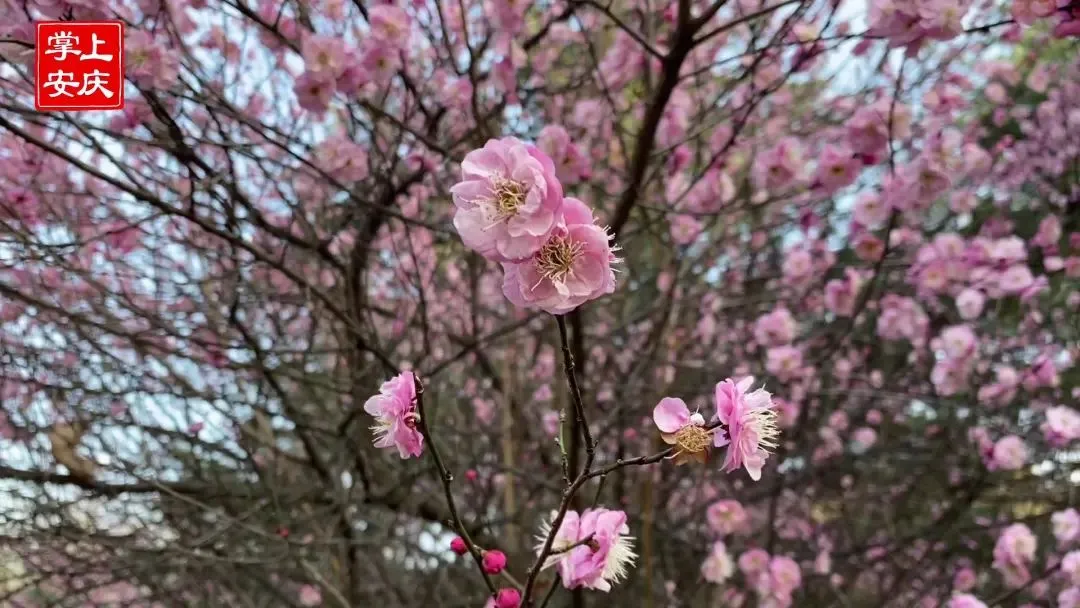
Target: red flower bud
494 561
507 598
458 546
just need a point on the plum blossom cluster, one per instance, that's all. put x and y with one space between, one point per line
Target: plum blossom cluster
911 24
333 66
772 578
510 209
958 347
745 422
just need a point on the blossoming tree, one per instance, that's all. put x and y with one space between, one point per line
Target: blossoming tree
556 303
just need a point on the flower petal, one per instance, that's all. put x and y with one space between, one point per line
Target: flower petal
671 414
745 383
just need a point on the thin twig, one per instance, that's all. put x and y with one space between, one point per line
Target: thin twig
575 395
446 478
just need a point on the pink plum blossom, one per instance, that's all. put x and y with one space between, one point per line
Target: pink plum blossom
1066 526
1069 598
1062 425
680 428
727 517
310 596
601 562
718 565
969 303
1013 553
837 167
1070 566
508 200
775 327
389 25
1009 453
573 266
753 562
965 600
750 422
394 409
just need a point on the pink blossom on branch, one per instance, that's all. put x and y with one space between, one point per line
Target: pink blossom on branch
573 266
750 423
685 431
394 409
508 201
603 559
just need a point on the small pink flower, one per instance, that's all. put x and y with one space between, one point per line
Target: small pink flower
1062 425
599 563
718 566
1069 598
751 425
837 167
389 25
841 294
965 600
314 92
775 328
780 165
571 267
508 200
727 517
378 61
1070 566
784 574
964 580
958 341
1016 279
870 210
310 596
494 561
1009 453
1066 526
324 56
571 165
970 304
685 431
394 409
784 362
1014 551
684 229
865 437
753 562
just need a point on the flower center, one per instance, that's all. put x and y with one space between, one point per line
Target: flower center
556 258
509 197
692 439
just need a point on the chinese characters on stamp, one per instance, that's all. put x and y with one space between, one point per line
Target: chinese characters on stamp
80 66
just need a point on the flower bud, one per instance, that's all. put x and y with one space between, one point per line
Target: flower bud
458 546
494 561
507 598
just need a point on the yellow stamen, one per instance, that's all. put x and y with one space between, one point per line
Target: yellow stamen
556 258
692 439
509 196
